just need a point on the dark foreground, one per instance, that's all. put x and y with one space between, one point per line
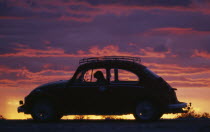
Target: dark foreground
105 126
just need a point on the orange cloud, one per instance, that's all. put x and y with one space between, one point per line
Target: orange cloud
203 54
190 82
176 70
149 52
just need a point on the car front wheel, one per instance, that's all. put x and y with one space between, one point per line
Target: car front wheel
43 111
147 111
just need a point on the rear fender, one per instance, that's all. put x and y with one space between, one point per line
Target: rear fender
156 101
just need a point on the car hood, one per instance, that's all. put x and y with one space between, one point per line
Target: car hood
51 86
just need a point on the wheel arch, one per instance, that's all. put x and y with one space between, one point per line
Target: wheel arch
155 100
43 97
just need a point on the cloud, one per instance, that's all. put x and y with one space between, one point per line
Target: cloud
175 31
25 76
87 10
12 17
109 50
203 54
50 9
149 52
190 82
28 52
176 75
177 70
182 76
184 3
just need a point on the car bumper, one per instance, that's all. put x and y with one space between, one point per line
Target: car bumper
20 109
180 107
177 106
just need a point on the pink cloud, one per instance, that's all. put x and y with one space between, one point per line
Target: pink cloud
46 42
176 75
13 17
79 19
43 76
175 31
109 50
46 66
21 45
28 52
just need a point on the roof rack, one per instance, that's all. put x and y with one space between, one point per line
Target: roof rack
104 58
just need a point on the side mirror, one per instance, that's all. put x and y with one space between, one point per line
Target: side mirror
174 88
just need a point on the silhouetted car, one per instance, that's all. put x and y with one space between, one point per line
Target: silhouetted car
111 85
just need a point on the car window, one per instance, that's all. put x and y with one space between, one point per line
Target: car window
123 76
89 75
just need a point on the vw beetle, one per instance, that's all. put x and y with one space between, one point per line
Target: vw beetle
126 87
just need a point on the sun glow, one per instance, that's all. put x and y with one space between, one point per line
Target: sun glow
198 97
11 113
11 110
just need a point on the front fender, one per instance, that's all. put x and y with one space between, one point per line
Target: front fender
31 99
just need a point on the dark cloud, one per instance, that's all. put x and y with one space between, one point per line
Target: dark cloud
169 3
161 48
87 10
38 64
28 9
3 8
4 49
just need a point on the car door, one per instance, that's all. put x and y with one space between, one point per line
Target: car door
124 88
86 94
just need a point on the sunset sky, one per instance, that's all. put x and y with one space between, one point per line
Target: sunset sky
42 41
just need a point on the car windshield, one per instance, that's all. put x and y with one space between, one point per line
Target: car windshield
151 73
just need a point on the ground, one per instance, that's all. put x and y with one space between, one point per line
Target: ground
198 125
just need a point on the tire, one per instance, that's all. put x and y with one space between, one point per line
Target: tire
147 111
59 116
43 111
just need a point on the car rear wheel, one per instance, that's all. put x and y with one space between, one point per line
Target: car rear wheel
147 111
43 111
59 116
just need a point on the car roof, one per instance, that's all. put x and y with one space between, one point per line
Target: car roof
124 62
127 64
107 58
